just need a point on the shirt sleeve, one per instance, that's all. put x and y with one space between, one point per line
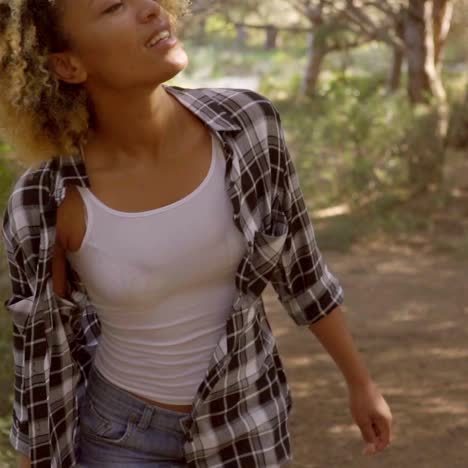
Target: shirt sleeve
19 304
305 285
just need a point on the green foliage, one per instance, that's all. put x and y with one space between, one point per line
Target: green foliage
8 173
219 59
350 138
217 27
353 143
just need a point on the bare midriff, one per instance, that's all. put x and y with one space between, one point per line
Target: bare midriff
182 408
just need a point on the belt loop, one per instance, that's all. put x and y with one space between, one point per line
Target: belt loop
146 418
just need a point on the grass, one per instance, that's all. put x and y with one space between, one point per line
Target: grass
434 222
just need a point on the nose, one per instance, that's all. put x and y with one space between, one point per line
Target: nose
150 10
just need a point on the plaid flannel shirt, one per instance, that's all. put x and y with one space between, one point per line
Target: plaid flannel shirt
240 410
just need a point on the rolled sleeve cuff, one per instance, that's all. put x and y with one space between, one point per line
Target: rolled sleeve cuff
316 302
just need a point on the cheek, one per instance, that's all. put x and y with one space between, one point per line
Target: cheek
110 38
104 52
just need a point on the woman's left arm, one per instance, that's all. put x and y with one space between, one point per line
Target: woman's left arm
367 405
312 295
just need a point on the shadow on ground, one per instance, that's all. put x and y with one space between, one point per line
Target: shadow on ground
408 313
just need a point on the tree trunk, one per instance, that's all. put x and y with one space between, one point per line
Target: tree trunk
316 55
201 33
426 149
423 77
458 131
394 78
425 31
442 19
241 35
271 37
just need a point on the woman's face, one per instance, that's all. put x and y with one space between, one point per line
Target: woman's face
108 43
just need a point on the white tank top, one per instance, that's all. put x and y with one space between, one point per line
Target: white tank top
163 284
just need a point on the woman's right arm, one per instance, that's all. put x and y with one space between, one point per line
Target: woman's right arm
19 305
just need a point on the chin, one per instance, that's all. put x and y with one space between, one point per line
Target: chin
180 61
173 68
163 77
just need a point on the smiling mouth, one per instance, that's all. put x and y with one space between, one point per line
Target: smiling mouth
161 36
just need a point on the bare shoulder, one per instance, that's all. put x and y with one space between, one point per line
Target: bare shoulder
69 227
71 220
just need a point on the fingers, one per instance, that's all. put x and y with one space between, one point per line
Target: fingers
369 449
373 417
376 434
384 431
369 433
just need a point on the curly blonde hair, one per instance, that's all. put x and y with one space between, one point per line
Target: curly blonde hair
41 116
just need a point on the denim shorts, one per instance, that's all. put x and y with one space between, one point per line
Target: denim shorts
119 430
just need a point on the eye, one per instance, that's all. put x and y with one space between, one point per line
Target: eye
112 8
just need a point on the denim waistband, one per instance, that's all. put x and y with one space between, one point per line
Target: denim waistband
118 401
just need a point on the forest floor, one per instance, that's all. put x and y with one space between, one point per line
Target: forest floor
407 310
408 313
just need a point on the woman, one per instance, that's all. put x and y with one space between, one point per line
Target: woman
139 241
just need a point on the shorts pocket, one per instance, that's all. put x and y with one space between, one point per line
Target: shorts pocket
96 425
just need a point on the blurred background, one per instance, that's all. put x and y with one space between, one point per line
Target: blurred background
374 100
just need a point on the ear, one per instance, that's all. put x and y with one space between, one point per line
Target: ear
67 68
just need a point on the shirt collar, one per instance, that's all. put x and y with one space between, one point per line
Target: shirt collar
202 102
206 107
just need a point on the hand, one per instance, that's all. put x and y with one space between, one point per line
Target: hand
23 461
372 415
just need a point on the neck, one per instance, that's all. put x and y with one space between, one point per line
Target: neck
133 126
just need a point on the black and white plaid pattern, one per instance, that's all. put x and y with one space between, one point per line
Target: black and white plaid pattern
240 411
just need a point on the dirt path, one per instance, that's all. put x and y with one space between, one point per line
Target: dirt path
408 313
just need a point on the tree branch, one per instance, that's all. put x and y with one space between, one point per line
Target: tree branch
384 7
369 28
348 44
297 29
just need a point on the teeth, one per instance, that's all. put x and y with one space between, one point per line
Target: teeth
159 37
